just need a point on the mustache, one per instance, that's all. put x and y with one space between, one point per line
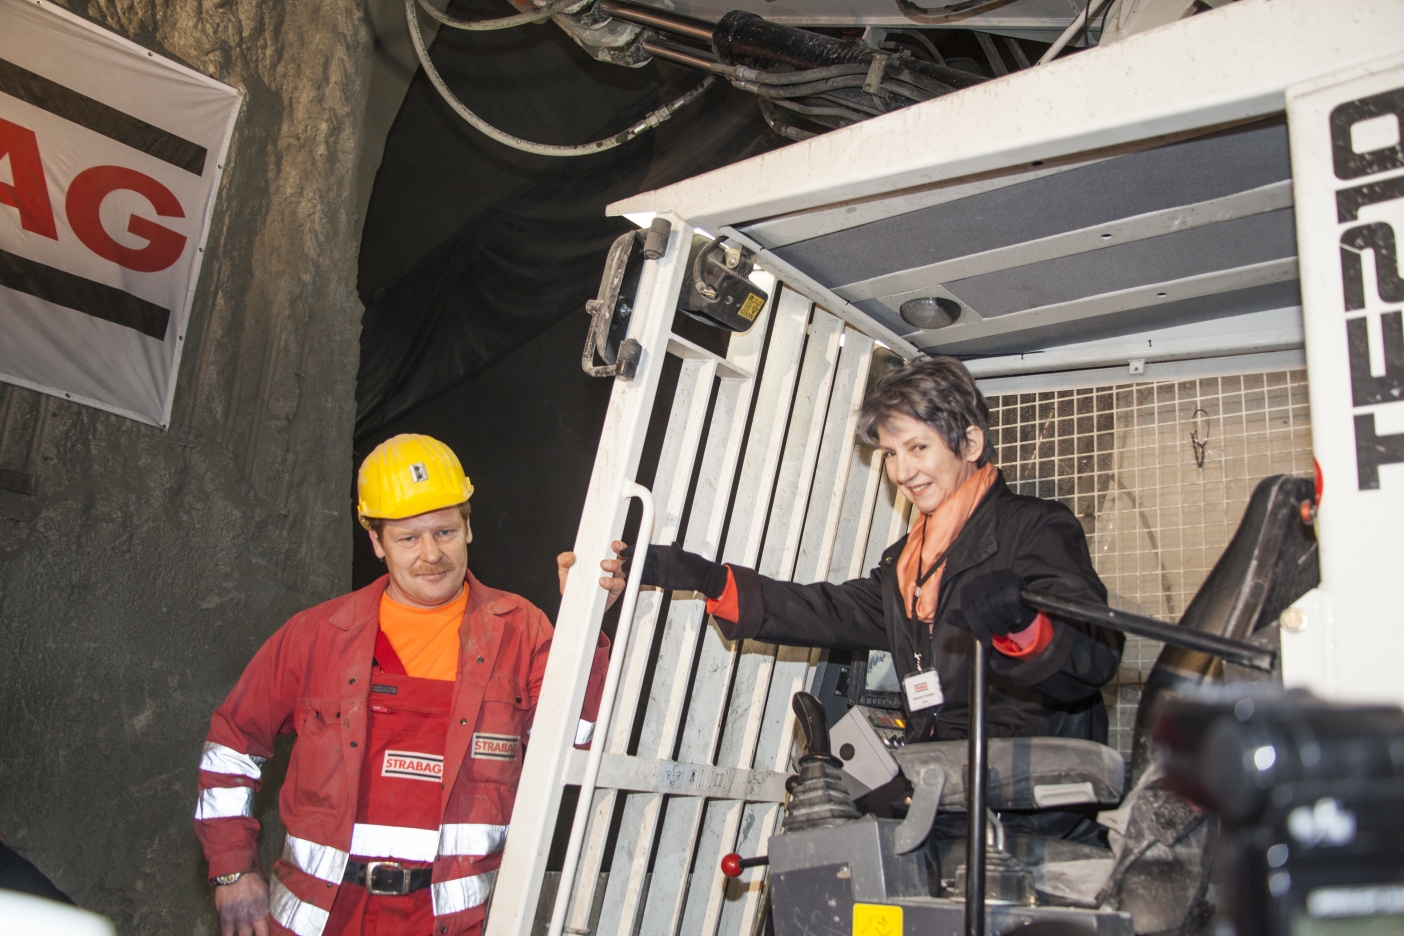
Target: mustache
425 568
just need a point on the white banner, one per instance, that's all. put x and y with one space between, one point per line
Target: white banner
1348 184
110 158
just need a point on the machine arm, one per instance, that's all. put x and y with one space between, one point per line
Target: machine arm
1235 651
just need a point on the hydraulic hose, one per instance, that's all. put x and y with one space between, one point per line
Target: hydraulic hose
816 83
908 91
804 90
653 119
695 58
777 119
861 110
505 22
926 43
818 111
802 77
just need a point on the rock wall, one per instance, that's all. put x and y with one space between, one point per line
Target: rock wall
146 567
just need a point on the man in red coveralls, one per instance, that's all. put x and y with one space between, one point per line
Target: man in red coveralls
412 701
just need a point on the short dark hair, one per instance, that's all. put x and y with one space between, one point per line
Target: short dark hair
377 524
937 391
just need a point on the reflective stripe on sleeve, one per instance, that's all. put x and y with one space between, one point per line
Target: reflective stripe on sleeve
584 731
471 838
225 802
387 841
220 759
461 894
302 918
321 861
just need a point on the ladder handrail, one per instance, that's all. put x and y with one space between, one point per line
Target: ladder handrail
611 689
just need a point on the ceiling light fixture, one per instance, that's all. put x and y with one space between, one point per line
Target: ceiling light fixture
930 312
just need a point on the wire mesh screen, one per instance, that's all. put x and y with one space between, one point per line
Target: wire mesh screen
1159 474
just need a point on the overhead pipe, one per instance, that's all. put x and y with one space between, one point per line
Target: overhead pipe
692 58
668 22
749 41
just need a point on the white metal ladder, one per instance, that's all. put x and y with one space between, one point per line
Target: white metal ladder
777 470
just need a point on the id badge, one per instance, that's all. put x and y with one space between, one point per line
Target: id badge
923 689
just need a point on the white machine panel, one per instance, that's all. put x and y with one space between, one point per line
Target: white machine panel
866 759
1344 640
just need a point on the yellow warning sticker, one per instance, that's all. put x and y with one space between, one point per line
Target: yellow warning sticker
751 307
876 920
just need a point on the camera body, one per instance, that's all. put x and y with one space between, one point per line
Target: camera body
1311 797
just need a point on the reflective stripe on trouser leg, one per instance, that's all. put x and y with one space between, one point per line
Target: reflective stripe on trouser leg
471 838
225 802
301 917
217 758
584 731
388 841
321 861
461 894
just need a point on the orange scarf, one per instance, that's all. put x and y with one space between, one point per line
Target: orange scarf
932 536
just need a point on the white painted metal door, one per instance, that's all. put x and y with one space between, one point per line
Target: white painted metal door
759 467
1348 171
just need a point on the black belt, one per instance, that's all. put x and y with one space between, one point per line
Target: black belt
387 878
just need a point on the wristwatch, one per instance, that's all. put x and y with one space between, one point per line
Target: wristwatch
223 879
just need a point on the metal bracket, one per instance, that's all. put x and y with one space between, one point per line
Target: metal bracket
873 83
610 311
626 361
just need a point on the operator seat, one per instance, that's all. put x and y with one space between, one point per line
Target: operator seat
1156 868
1163 851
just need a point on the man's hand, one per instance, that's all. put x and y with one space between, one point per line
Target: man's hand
672 568
614 583
618 569
243 906
668 567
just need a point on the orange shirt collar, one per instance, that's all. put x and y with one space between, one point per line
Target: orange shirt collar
425 639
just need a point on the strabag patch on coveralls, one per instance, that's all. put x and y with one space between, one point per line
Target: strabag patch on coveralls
314 677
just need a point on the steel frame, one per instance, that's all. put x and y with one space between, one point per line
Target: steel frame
759 463
759 448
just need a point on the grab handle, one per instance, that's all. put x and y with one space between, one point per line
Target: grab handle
611 689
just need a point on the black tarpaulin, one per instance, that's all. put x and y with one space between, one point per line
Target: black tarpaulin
470 247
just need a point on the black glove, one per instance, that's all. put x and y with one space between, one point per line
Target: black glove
675 569
992 607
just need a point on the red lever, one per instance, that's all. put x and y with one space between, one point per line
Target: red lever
733 864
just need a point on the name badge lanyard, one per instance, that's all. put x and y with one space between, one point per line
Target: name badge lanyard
923 687
922 579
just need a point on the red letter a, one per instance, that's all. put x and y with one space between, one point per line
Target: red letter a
29 194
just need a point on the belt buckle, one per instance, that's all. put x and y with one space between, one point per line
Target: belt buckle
384 888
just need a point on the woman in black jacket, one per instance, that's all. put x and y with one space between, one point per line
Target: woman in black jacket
953 580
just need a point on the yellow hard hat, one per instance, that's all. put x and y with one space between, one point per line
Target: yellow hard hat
408 475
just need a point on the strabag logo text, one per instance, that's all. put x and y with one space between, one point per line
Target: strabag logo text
496 747
412 765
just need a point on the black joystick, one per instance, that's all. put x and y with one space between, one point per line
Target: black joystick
818 798
814 723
